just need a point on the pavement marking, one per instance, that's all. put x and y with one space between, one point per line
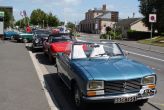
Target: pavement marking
146 56
40 73
136 53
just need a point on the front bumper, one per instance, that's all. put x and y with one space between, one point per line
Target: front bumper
144 93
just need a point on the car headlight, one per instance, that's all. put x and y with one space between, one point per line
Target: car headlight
36 40
95 85
149 80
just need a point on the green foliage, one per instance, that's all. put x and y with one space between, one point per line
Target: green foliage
39 17
111 34
71 25
52 20
22 22
131 30
147 7
157 41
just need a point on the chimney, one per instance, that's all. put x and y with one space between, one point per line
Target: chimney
104 7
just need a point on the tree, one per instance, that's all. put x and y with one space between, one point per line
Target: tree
38 17
153 6
52 20
71 25
22 22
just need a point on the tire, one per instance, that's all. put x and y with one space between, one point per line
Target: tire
33 49
80 105
141 102
50 57
11 38
25 40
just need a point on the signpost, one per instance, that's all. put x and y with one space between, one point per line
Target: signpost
152 19
1 23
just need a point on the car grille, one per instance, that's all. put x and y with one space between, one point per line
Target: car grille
122 87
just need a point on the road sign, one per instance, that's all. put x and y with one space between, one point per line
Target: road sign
152 18
2 14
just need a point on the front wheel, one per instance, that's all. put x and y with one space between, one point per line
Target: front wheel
77 98
25 40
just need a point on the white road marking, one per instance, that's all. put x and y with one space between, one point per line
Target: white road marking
136 54
145 56
41 70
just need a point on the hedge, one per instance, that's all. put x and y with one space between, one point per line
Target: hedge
138 35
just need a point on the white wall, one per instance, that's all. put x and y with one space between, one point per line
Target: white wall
139 26
1 28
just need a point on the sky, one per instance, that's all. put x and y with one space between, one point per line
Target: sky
72 10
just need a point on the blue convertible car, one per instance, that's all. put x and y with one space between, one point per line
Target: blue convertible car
10 34
102 73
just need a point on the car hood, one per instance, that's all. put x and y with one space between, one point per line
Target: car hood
114 69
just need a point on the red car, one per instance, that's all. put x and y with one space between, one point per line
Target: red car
56 43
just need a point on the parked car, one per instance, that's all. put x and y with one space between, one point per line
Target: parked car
39 37
24 37
98 73
10 34
56 43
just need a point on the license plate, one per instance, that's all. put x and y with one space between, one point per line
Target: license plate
125 99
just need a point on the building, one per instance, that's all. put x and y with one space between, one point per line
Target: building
8 9
97 20
135 24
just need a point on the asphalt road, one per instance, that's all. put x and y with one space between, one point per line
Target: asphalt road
20 88
60 94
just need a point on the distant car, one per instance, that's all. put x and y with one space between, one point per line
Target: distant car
98 73
56 43
39 37
10 34
24 37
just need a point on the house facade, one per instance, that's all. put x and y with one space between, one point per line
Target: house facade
135 24
97 20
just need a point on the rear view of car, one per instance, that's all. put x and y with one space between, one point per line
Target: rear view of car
56 43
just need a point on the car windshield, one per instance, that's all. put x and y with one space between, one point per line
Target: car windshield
61 38
81 51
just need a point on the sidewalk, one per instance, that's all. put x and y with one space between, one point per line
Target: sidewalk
20 86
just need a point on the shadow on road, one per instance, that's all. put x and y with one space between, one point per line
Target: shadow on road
43 59
61 96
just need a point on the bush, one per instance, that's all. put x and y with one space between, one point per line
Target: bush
138 35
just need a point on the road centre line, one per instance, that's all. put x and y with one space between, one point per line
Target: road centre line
136 53
40 73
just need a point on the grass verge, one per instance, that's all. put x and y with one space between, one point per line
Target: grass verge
156 41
